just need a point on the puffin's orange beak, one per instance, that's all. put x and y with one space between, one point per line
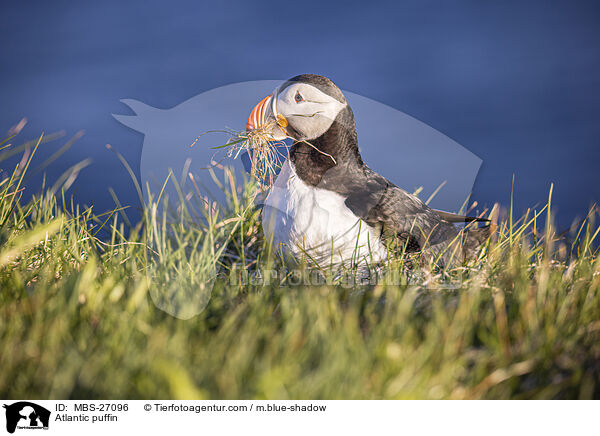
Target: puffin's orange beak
257 117
264 110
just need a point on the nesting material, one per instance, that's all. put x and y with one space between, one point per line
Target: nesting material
265 154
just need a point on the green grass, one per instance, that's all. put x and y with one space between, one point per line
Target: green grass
79 292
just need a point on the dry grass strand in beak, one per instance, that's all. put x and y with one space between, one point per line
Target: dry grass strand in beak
263 151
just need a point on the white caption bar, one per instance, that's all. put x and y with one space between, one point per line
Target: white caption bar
299 417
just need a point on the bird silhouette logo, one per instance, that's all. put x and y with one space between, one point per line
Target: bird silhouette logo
26 415
411 153
175 147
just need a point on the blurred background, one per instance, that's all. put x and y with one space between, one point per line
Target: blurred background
516 83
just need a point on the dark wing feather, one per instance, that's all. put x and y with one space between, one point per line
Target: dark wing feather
456 218
383 205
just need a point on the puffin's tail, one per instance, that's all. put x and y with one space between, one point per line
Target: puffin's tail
456 218
466 247
475 237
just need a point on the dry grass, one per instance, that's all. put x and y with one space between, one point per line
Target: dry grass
265 153
78 313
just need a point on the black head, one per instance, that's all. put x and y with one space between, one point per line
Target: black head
311 110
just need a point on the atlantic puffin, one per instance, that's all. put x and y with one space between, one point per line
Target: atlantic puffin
326 205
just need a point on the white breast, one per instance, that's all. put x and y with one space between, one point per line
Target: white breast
316 224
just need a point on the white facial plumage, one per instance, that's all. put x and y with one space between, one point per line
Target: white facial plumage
307 109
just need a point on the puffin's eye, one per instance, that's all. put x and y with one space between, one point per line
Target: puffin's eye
298 97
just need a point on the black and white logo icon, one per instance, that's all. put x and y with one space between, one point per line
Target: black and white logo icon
26 415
